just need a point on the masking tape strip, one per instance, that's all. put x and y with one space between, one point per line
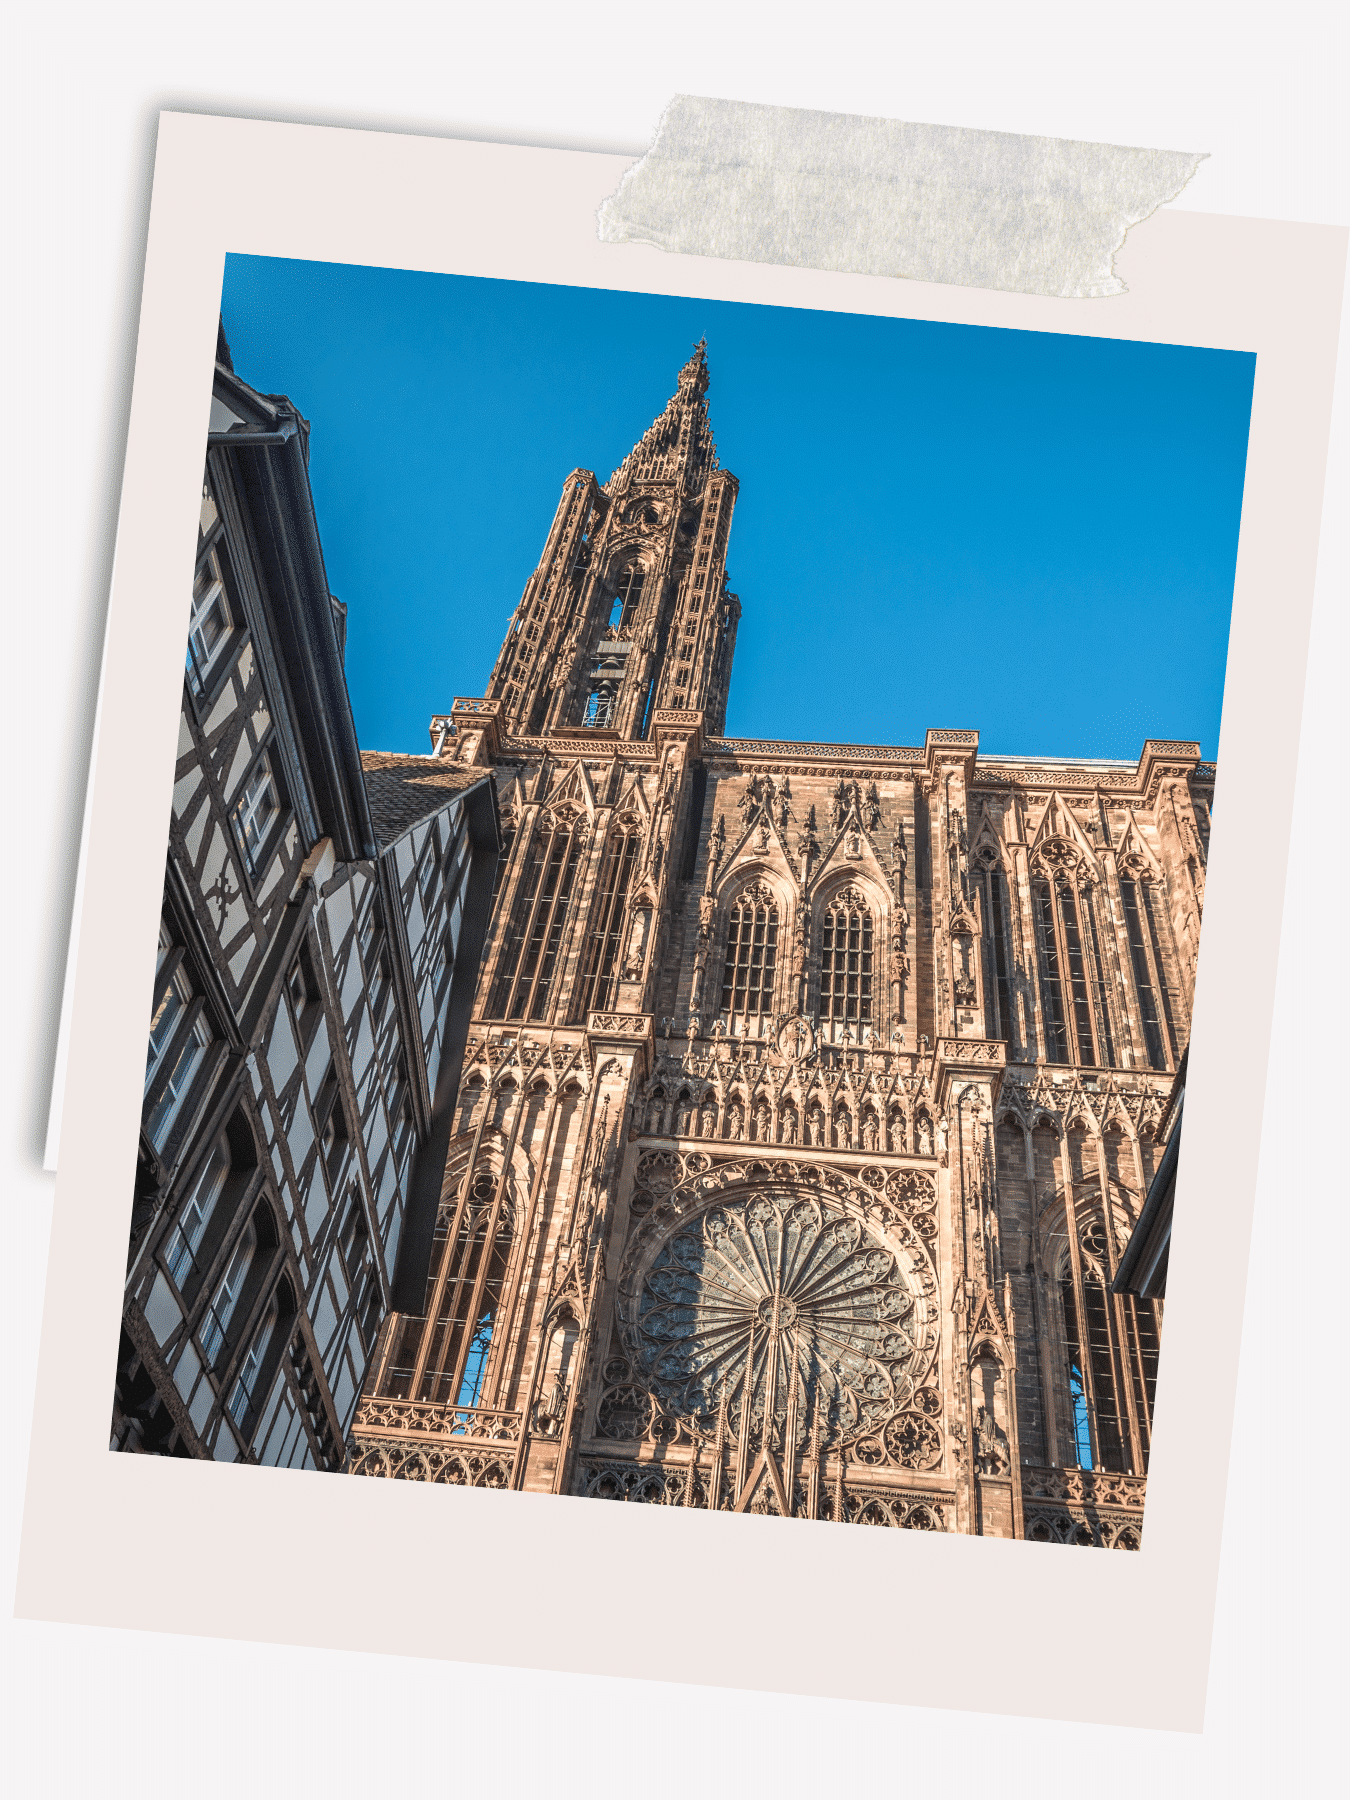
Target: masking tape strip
819 190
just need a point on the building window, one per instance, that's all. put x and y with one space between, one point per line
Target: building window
250 1368
752 952
1075 1006
1052 993
534 937
443 1357
1112 1350
1099 967
1077 970
255 812
998 993
210 622
306 1003
846 966
185 1241
600 976
602 696
215 1324
627 598
332 1133
179 1036
1143 973
1160 964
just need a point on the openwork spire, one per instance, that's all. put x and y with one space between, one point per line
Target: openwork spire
679 443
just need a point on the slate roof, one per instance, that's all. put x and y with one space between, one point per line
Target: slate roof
403 789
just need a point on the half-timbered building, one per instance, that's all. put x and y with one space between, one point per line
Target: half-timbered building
322 921
812 1089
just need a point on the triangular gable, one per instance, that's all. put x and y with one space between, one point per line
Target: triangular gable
1133 848
634 800
1057 821
837 859
756 849
765 1468
986 1321
986 846
574 784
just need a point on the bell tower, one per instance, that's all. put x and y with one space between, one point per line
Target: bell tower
628 610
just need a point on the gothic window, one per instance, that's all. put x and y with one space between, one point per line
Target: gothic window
1141 1335
210 621
1099 970
1052 993
444 1356
751 959
609 912
1165 990
255 812
534 935
1078 1404
1077 971
997 990
627 597
1112 1359
1140 958
846 966
1074 1003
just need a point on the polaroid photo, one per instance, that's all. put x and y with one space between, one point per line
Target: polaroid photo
625 1032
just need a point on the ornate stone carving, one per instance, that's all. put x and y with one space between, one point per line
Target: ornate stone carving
781 1299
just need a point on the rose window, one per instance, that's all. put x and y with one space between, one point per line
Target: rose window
780 1303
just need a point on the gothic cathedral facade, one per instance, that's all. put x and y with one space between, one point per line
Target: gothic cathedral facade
812 1090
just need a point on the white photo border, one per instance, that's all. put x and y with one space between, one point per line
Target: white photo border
559 1583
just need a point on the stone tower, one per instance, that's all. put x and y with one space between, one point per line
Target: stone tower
627 610
812 1090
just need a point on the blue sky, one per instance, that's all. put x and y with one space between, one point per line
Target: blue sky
938 525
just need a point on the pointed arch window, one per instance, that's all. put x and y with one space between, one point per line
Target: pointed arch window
846 965
1111 1347
1141 930
751 961
1075 1008
444 1356
1052 987
997 950
534 936
627 597
609 913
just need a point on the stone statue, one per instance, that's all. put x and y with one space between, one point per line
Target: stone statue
986 1442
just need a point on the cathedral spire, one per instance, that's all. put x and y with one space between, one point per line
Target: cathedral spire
679 442
628 610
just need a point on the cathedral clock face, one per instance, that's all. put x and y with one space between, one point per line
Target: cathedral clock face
788 1312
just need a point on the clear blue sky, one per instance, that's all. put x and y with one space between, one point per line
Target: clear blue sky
939 525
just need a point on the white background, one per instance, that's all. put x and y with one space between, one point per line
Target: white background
1262 88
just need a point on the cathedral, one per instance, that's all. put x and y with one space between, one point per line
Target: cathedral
811 1091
